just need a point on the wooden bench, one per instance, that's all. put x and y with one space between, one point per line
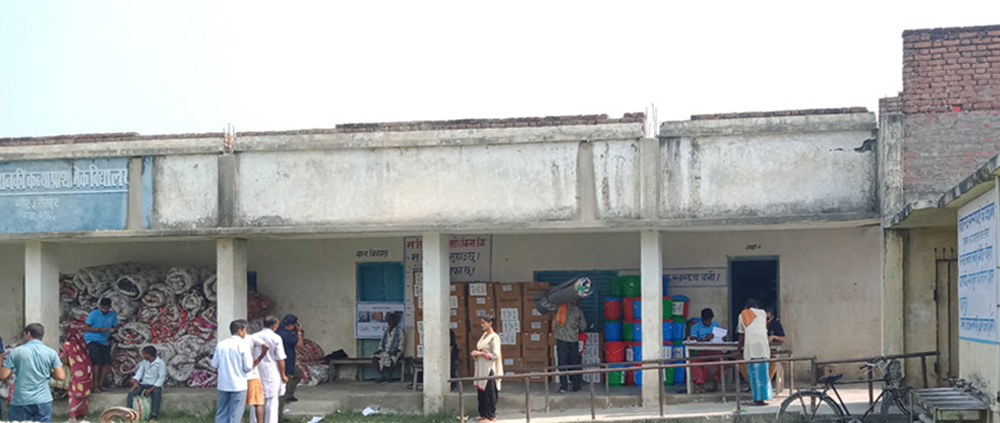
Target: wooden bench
335 364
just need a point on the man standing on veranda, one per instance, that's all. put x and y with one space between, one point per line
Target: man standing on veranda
34 363
233 360
271 369
97 329
753 341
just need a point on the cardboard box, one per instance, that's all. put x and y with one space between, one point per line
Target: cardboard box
480 307
535 346
536 365
455 302
538 326
509 302
508 290
480 289
510 351
511 365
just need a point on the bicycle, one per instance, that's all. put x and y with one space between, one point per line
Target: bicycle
817 405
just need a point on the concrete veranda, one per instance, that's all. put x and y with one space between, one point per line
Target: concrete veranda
623 403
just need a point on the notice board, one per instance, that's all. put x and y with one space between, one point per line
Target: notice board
977 269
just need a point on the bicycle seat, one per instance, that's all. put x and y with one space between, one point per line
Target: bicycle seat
831 378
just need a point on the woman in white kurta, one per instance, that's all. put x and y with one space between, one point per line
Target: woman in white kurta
753 341
489 362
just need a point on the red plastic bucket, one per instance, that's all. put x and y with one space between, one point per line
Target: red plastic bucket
613 309
614 351
627 306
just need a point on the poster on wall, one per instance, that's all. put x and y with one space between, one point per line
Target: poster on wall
470 258
977 269
370 318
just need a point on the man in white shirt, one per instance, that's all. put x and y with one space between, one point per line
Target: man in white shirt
753 342
148 380
233 360
271 370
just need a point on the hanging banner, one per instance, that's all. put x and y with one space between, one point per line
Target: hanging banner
977 269
370 318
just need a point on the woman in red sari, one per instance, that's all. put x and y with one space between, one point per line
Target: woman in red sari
80 380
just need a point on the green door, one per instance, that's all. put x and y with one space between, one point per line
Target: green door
381 282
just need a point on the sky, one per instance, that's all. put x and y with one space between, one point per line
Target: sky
156 67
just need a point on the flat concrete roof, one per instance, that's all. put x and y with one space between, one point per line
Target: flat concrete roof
944 211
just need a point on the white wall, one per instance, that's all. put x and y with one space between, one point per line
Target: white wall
11 291
767 167
830 284
830 279
404 185
186 192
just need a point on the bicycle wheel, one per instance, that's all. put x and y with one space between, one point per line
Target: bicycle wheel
893 399
815 407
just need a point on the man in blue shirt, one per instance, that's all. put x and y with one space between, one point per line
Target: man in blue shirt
33 363
97 329
148 380
292 336
703 332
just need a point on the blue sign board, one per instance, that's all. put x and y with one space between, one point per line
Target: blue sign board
64 195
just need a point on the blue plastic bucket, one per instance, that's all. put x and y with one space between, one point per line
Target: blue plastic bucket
637 310
638 378
636 332
613 331
668 331
679 373
678 332
637 353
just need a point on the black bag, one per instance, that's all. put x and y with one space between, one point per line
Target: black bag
336 355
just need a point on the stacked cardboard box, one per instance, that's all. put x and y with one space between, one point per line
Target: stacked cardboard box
481 303
509 312
457 320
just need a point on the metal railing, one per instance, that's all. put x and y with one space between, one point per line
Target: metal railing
604 368
871 381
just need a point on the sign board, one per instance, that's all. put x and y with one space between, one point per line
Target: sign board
690 277
64 195
977 269
370 318
470 259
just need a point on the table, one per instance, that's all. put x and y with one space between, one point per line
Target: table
725 347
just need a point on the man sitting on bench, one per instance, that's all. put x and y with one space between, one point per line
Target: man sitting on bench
390 349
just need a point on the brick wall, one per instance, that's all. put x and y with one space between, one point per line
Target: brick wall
92 138
443 125
779 113
890 105
951 104
427 125
951 69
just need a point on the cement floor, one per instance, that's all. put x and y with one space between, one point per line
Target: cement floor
623 403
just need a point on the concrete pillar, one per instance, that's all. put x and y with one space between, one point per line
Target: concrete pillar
651 266
437 366
41 288
231 259
893 254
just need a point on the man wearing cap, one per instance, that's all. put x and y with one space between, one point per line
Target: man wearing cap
292 336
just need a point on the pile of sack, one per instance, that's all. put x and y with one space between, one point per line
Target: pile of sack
171 309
